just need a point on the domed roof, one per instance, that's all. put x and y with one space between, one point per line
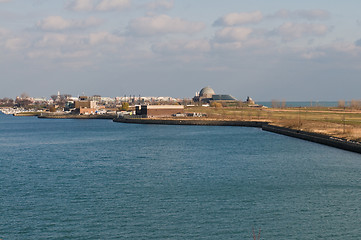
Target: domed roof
206 92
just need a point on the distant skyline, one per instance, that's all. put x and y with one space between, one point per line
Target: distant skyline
279 49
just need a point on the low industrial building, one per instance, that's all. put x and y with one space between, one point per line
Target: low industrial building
83 106
87 111
158 110
85 103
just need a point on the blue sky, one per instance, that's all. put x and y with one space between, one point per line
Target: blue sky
291 50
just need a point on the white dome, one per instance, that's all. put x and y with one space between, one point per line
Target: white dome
207 92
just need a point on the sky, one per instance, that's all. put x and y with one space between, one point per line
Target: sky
267 49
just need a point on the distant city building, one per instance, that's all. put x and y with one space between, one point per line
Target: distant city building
85 103
140 100
83 98
96 98
87 111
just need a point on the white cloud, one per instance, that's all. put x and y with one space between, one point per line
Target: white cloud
190 46
104 37
345 48
57 54
229 46
109 5
101 5
290 31
233 34
335 55
78 41
163 24
233 19
56 23
15 44
53 40
254 46
315 14
81 5
160 5
4 33
4 1
83 47
313 55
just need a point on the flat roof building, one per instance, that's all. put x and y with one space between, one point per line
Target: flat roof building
207 95
158 110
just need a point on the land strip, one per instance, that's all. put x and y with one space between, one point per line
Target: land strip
73 116
336 122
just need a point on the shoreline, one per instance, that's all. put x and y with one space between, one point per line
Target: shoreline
71 116
323 139
199 122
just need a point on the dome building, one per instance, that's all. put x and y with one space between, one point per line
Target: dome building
207 94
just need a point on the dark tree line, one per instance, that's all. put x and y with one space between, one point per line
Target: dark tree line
6 102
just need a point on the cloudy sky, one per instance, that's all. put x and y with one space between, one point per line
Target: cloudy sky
267 49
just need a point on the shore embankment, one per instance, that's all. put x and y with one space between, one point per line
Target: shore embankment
344 144
340 143
74 116
27 114
208 122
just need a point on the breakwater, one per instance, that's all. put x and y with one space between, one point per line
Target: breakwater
26 114
315 137
308 136
73 116
209 122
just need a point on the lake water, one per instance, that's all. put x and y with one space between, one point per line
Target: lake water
95 179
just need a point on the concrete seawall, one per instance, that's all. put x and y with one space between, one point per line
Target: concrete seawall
27 114
315 137
190 122
70 116
308 136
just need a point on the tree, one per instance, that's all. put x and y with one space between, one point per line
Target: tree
54 97
23 102
52 109
125 106
275 103
355 104
216 104
7 102
24 95
341 103
283 104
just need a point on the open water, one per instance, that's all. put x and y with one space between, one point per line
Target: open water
95 179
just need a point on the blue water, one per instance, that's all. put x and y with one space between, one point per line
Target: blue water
95 179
